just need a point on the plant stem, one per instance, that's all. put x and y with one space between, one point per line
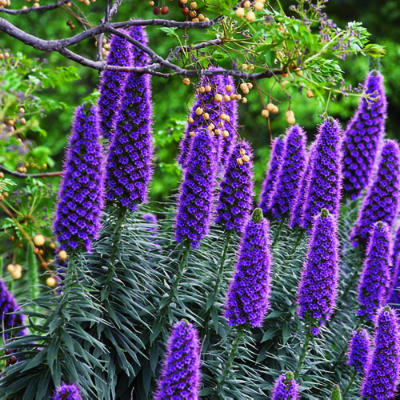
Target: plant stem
278 232
217 283
33 273
231 359
303 351
353 377
300 234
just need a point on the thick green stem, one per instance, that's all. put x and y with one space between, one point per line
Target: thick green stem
299 236
351 381
210 306
33 274
277 234
179 273
303 352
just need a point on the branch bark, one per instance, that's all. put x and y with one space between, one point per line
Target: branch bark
21 175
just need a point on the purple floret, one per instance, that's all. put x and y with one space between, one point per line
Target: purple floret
285 388
359 351
67 392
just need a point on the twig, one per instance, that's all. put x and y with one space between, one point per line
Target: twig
47 7
21 175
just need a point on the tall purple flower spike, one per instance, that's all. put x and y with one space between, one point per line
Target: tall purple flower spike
81 194
395 275
382 200
290 173
382 376
196 192
363 137
10 314
180 376
236 195
67 392
285 388
375 276
206 101
359 351
113 84
319 279
271 175
326 176
249 291
297 215
129 162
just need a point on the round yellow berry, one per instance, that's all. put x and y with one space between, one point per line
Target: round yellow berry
186 81
51 281
199 111
39 240
62 255
239 12
290 119
265 113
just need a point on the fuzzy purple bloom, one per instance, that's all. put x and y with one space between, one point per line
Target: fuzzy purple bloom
382 199
196 192
10 316
375 276
326 178
359 351
395 293
363 137
129 162
272 175
290 173
319 279
236 195
67 392
249 291
180 376
382 376
81 194
285 388
113 84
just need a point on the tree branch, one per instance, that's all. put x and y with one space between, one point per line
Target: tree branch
48 7
40 175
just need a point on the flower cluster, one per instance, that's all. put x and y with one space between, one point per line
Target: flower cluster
382 199
10 314
290 173
249 291
236 195
271 175
359 349
285 388
180 376
395 276
319 279
196 192
81 193
113 84
326 178
375 277
67 392
129 162
363 136
382 376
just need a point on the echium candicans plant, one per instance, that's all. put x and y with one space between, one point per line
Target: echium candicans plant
324 189
317 289
196 191
180 376
395 264
363 135
271 175
290 173
81 194
382 376
249 292
113 84
129 162
285 388
359 351
382 200
67 392
375 277
236 195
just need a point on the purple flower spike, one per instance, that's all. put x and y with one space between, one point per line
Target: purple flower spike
113 84
359 352
67 392
363 137
129 162
319 279
272 175
375 278
10 316
382 199
236 196
395 276
196 192
205 100
382 376
290 173
180 376
326 176
81 194
285 388
249 291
